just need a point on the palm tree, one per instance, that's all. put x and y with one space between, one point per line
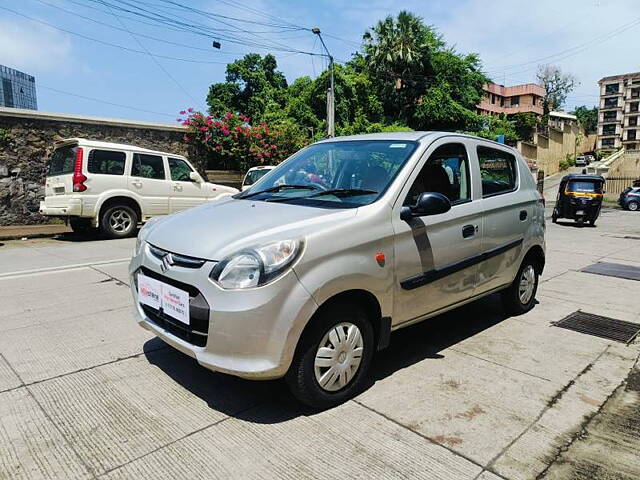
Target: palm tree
398 52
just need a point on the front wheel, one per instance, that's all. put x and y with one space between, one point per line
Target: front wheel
119 221
332 359
520 297
633 206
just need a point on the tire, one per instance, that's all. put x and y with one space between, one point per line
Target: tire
580 222
592 222
80 225
337 322
118 221
633 206
554 218
512 299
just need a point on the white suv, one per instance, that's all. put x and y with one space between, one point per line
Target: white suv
114 186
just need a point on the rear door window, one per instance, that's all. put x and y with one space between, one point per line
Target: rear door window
106 162
497 170
147 166
180 170
62 160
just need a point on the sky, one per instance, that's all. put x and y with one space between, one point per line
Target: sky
68 45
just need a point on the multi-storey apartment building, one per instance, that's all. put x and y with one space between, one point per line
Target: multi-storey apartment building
17 89
499 99
619 115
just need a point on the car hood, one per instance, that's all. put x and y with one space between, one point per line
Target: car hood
223 227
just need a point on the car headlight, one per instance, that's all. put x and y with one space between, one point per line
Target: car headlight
256 266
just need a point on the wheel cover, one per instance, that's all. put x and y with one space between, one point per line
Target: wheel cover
527 284
338 357
120 220
633 206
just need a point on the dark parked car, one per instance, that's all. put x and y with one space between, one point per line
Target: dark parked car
630 199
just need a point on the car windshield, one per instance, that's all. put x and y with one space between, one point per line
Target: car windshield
62 160
254 175
343 174
581 186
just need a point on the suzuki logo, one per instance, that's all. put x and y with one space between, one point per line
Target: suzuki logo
167 262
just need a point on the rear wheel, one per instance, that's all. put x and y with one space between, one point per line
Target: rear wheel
554 217
118 221
633 206
332 358
520 297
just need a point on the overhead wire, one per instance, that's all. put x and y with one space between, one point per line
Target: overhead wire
156 61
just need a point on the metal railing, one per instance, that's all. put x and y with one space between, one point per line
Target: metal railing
615 185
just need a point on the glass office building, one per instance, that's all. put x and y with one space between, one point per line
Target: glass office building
17 89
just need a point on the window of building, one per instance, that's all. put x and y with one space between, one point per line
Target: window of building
497 171
610 116
446 172
608 130
106 162
611 102
635 93
631 135
180 170
611 88
634 107
607 142
147 166
633 121
515 101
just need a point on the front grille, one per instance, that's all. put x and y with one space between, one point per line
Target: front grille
176 259
197 331
600 326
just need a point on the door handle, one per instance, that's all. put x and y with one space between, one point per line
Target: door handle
136 184
177 188
523 215
469 231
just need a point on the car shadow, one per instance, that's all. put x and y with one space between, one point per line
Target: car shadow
571 223
77 237
269 401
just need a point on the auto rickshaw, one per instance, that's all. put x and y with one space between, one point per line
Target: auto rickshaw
579 198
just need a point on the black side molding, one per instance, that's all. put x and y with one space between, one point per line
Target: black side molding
438 273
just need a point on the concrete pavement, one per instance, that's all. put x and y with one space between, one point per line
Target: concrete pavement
472 394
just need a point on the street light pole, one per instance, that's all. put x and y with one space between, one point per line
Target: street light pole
331 100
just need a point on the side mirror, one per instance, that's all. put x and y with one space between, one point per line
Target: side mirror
195 177
428 203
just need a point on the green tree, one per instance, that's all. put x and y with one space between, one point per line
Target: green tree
398 52
253 87
422 82
524 124
587 118
557 84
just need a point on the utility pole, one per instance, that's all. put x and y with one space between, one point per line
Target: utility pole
331 99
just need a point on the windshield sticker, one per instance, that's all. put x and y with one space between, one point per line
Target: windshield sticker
398 145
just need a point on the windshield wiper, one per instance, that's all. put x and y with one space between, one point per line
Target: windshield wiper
344 192
277 188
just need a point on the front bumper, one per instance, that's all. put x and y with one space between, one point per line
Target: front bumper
250 333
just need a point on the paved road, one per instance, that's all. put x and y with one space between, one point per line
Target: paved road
85 393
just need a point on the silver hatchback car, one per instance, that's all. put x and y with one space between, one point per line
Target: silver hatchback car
306 274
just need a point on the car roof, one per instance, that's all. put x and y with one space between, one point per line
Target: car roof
414 136
85 142
582 176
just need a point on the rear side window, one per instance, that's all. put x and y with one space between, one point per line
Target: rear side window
180 170
106 162
62 160
147 166
497 170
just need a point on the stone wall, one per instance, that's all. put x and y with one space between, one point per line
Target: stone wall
26 141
